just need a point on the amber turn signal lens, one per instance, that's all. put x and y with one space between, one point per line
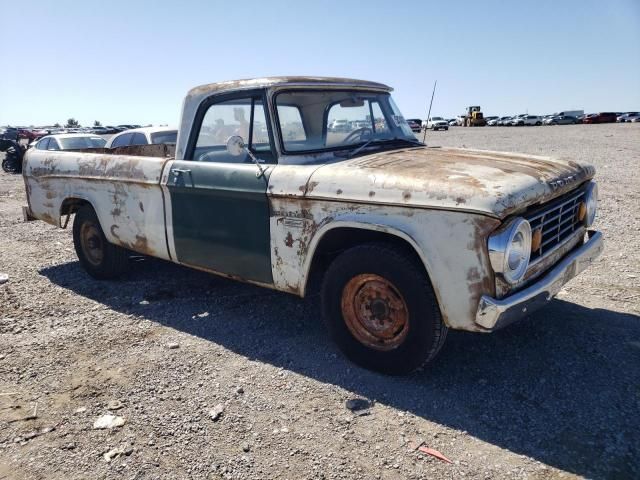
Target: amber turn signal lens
582 212
536 239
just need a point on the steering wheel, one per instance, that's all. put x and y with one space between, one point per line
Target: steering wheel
359 133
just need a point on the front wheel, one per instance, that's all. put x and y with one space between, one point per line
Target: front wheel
381 310
101 259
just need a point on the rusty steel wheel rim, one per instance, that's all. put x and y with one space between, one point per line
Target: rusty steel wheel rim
91 242
375 312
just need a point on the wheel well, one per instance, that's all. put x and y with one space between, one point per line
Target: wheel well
72 205
337 240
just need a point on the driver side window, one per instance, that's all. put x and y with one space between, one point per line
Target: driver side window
244 117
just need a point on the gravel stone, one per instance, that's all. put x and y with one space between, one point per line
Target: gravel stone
108 422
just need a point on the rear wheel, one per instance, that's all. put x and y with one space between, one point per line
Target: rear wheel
380 309
101 259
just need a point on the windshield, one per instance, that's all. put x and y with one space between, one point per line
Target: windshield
78 143
169 136
314 120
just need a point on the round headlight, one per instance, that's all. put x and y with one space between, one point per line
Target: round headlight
510 249
591 203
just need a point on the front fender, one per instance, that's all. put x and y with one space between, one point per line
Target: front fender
451 246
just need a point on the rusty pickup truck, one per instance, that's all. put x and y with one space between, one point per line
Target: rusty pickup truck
274 181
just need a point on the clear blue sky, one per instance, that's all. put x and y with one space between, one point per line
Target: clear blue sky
133 61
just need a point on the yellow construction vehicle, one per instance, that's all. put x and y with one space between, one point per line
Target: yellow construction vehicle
474 117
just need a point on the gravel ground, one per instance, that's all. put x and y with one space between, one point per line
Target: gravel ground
555 396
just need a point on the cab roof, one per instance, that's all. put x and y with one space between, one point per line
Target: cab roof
267 82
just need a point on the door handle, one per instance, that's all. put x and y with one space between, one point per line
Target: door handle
177 175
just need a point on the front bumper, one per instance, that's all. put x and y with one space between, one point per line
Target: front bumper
494 314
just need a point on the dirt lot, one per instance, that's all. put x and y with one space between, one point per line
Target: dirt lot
555 396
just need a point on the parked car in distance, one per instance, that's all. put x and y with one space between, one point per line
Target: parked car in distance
627 117
340 126
9 133
415 124
504 121
143 136
569 113
460 120
453 122
602 117
31 133
437 123
69 141
560 120
491 118
635 119
526 120
494 121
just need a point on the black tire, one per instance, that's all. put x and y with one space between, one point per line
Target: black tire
425 331
105 261
7 165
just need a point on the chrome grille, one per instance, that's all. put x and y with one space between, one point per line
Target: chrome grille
558 221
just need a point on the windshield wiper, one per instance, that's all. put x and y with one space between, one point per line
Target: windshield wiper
383 140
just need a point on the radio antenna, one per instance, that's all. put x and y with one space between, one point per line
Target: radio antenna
424 136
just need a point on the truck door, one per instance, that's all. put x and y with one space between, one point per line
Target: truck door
217 207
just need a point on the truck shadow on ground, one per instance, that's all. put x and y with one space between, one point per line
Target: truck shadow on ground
561 387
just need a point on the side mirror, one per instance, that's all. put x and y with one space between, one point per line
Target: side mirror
235 145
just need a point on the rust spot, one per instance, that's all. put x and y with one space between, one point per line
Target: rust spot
45 217
308 187
141 245
289 240
141 206
460 200
473 274
339 191
481 278
116 212
372 193
153 150
406 195
50 195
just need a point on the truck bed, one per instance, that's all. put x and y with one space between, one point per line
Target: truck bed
122 184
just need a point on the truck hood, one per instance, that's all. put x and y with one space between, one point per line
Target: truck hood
492 183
